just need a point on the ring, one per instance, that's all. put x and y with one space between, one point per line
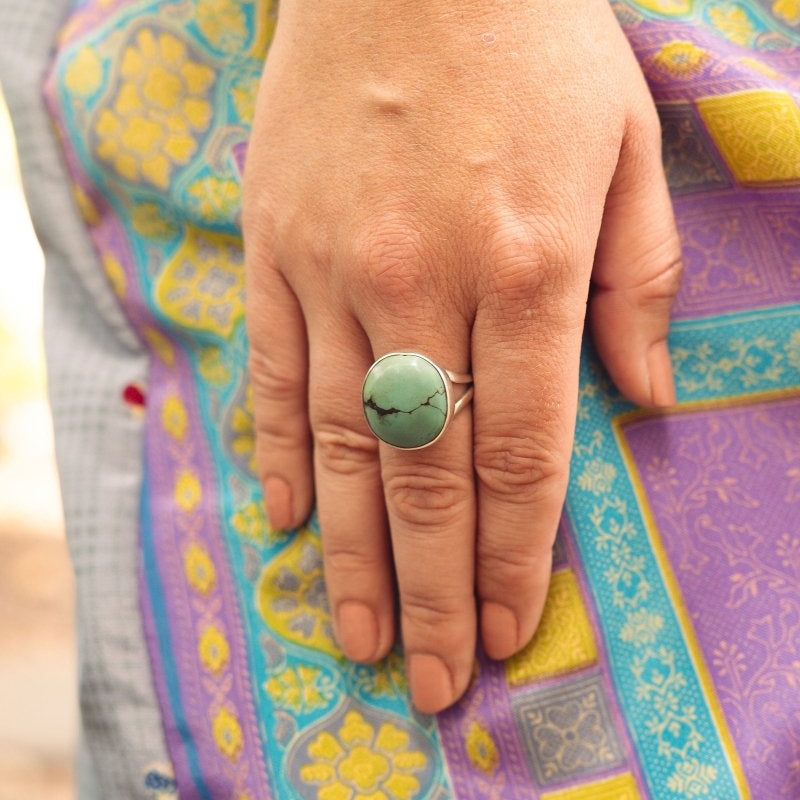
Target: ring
410 400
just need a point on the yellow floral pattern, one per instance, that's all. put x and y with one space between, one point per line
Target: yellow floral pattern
160 107
227 733
291 595
362 763
681 59
733 22
201 286
85 72
303 688
160 345
199 569
213 649
215 200
174 419
188 491
148 220
481 748
223 23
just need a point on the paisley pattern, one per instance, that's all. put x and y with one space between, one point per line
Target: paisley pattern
667 664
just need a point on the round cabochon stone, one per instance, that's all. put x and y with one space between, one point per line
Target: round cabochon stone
405 400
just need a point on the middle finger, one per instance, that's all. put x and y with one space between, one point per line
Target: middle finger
430 500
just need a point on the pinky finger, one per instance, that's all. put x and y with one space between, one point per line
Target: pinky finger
278 366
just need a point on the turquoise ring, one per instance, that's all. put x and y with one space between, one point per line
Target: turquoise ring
410 400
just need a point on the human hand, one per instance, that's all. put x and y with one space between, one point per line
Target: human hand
447 179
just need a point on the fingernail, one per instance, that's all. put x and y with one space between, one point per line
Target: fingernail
430 682
499 630
358 630
662 384
278 499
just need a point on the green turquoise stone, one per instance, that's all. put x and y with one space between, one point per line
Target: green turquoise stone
405 400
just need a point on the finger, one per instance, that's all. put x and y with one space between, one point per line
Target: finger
278 367
355 537
525 349
431 507
637 272
429 493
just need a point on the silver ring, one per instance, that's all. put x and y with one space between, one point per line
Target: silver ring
409 400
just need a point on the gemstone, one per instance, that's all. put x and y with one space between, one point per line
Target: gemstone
405 400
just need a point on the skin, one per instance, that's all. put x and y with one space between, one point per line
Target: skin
448 178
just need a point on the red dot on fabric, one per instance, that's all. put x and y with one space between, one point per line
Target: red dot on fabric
134 395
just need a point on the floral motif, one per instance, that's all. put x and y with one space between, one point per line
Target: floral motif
567 731
642 627
160 107
149 220
173 417
187 491
242 441
160 345
303 688
748 362
692 778
360 763
215 200
199 568
213 367
386 678
228 734
291 595
223 23
201 286
733 22
481 748
681 59
84 73
250 522
597 476
213 649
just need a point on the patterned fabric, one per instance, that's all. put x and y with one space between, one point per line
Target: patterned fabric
668 661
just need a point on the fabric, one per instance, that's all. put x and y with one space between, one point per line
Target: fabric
667 664
92 354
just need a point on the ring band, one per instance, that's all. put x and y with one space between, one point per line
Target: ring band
409 400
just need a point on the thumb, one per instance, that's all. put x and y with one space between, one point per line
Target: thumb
637 271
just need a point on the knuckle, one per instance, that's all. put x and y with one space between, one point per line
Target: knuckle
509 563
388 262
425 610
430 497
268 380
342 450
346 561
526 260
513 466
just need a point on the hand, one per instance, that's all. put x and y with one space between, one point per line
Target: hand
448 179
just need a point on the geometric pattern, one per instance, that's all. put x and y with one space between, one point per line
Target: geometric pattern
757 132
564 640
567 731
690 163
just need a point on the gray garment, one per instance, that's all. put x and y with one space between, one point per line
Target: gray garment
92 353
